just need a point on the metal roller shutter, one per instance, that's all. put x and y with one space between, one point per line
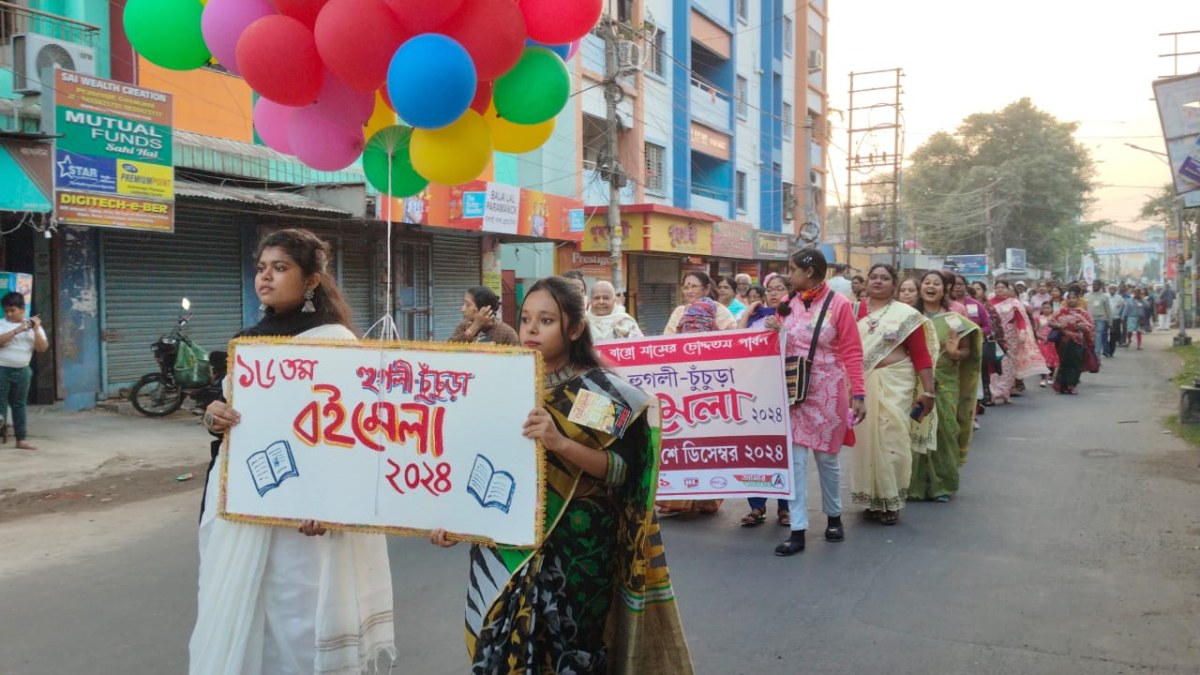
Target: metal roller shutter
146 275
357 272
457 262
655 301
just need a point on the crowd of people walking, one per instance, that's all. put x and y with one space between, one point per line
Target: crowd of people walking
900 366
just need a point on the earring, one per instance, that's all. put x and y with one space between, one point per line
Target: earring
308 307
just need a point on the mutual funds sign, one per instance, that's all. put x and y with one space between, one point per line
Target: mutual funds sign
112 159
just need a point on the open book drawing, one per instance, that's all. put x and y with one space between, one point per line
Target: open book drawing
272 466
491 488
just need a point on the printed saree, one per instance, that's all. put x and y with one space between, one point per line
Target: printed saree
882 457
1078 330
935 473
597 596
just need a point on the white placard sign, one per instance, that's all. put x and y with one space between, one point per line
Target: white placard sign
401 439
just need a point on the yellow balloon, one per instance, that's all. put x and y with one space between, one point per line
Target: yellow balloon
453 154
517 138
383 117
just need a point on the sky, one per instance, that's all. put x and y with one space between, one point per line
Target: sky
1087 62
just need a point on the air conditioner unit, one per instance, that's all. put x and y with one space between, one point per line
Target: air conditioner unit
629 56
816 60
35 57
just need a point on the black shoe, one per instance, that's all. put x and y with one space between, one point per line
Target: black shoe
4 432
792 546
834 531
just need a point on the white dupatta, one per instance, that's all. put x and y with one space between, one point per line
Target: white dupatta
272 601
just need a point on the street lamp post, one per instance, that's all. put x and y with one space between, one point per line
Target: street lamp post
1182 338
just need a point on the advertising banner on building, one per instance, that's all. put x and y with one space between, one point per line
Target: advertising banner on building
732 239
399 439
726 430
486 206
1178 101
113 165
771 245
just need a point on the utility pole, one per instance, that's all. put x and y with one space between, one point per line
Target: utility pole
874 153
988 230
612 96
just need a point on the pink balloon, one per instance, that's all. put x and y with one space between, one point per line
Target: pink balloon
322 144
223 22
271 123
339 102
574 49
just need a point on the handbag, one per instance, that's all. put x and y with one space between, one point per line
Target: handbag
1090 362
798 371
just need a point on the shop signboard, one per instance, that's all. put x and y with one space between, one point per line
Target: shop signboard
488 206
732 239
771 245
113 165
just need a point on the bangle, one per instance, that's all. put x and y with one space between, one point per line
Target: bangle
859 397
928 394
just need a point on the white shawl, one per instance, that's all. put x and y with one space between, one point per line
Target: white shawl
618 324
273 601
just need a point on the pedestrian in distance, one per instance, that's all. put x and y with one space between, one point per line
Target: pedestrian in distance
1133 315
1022 358
743 283
1077 334
819 328
1047 345
606 319
20 337
960 342
909 292
481 319
727 295
1098 307
755 317
596 596
899 345
1116 329
274 601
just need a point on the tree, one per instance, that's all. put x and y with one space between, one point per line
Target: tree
1019 169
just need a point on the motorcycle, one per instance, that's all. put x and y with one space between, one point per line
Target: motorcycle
185 371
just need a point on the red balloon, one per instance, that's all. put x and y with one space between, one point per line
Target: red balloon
356 39
492 32
278 58
483 97
423 16
557 22
304 11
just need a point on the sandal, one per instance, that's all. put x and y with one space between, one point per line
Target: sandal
755 518
785 518
890 517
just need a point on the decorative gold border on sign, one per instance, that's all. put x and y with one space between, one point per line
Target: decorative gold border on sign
376 345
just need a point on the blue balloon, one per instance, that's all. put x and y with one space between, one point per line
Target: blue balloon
561 50
431 81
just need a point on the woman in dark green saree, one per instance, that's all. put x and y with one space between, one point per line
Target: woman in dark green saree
596 597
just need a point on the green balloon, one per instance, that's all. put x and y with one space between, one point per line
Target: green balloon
167 32
535 90
389 147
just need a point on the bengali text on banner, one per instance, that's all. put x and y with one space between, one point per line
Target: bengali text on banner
400 439
725 425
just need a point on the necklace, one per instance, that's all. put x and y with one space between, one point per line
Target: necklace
873 323
561 375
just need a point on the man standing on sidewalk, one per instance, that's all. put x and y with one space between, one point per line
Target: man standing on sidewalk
1116 330
19 338
1167 297
1097 306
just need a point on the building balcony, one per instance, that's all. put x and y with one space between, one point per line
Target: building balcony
710 106
710 201
595 190
591 53
17 20
719 10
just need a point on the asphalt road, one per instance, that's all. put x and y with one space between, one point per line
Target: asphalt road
1073 548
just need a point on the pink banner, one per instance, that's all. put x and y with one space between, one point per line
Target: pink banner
725 425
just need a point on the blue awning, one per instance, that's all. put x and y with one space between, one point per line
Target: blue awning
25 174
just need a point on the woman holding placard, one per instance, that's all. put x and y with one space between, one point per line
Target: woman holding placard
552 609
273 600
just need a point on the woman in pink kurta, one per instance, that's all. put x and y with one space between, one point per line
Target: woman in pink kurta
821 423
1023 358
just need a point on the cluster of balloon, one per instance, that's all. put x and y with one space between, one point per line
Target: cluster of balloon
423 90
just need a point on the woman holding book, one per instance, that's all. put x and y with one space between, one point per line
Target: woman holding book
581 602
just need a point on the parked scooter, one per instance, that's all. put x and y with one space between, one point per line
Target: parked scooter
184 371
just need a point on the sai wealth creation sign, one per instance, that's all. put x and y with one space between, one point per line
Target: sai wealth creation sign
112 159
